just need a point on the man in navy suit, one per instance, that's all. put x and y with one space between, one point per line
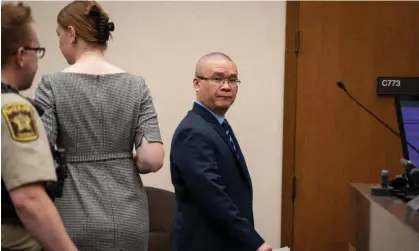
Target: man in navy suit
209 173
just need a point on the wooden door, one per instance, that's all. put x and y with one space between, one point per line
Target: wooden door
335 141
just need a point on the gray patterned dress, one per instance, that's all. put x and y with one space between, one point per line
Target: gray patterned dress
98 119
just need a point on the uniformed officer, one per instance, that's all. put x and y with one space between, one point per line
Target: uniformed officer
30 220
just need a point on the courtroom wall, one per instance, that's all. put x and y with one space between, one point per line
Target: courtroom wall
162 41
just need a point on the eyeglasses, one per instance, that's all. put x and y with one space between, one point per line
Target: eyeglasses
217 80
40 51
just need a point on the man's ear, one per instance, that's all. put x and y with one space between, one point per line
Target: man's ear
196 84
20 54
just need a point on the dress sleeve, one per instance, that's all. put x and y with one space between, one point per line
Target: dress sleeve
44 97
147 125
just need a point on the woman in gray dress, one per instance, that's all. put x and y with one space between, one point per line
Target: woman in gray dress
97 113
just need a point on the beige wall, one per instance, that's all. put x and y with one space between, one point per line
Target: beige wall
162 41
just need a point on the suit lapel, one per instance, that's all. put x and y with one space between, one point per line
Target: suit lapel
241 159
220 130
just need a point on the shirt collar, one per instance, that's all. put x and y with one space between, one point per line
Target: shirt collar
218 117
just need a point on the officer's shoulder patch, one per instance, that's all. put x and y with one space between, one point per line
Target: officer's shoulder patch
20 121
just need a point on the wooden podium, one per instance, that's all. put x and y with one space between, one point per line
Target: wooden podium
381 223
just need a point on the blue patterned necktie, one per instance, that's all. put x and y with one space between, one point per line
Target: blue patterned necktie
227 128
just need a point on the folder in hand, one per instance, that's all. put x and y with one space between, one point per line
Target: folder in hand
282 249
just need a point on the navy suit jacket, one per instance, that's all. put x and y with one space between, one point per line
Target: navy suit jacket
213 188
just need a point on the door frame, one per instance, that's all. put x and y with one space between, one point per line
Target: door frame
289 124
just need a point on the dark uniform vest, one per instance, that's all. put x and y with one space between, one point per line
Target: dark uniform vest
54 190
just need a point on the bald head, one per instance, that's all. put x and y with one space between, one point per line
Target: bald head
202 63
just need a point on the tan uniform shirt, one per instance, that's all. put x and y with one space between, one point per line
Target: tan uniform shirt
25 158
